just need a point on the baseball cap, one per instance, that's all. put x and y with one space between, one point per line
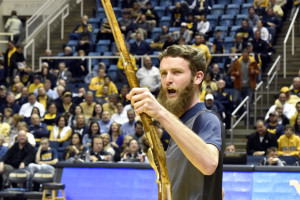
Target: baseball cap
273 113
284 89
183 24
209 96
2 87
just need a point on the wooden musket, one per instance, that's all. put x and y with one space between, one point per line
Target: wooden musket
155 153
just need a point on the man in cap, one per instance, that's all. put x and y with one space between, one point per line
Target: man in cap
213 105
273 126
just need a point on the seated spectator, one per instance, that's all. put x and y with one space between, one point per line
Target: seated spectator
294 117
105 32
213 105
20 155
272 158
276 8
143 27
161 38
52 64
245 31
126 24
30 138
26 75
273 126
43 98
202 25
51 116
116 137
135 12
85 41
88 105
45 158
75 150
111 105
64 73
297 126
282 119
111 86
97 113
229 61
128 127
272 22
138 133
290 98
264 33
261 140
289 143
208 83
98 153
230 148
133 154
61 131
37 128
288 109
66 106
139 47
80 28
94 130
80 127
8 113
199 41
124 91
120 116
14 128
3 149
4 127
80 67
149 76
103 97
97 81
203 7
105 122
119 152
239 43
177 15
107 145
218 43
252 18
151 14
36 84
295 87
183 33
16 81
216 74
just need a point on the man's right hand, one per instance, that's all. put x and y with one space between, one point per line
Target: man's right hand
1 167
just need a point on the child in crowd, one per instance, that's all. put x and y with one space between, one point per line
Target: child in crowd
272 158
8 112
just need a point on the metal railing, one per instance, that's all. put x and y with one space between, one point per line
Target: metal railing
258 95
291 29
273 73
31 44
81 6
245 113
64 12
39 19
6 34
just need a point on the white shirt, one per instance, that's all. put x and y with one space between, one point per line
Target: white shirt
120 118
13 25
288 110
203 27
149 78
26 109
264 33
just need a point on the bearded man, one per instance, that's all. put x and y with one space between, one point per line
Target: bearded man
194 156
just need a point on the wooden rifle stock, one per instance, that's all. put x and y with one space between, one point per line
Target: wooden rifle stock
155 154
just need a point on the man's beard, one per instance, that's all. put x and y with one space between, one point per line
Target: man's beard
181 104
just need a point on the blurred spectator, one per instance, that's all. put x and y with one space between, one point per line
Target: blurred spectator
26 108
8 113
80 127
160 39
97 81
215 73
105 32
246 31
239 43
10 103
80 27
123 148
149 76
14 127
288 109
282 118
3 149
272 22
126 25
37 128
133 154
66 106
143 27
252 18
111 105
48 90
97 113
2 73
208 84
289 143
218 45
139 132
22 125
52 65
294 117
272 158
264 33
124 91
199 42
80 96
230 148
120 116
36 84
45 158
107 145
85 42
67 52
273 126
169 42
88 105
129 127
202 25
105 122
80 67
64 73
140 47
183 33
8 55
111 86
213 105
297 125
14 25
51 116
98 153
104 95
4 127
43 97
151 14
18 156
116 137
276 8
127 4
61 131
244 72
203 7
75 150
260 141
26 75
94 130
295 88
191 23
135 12
290 98
177 15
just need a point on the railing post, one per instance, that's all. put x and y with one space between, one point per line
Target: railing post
261 102
248 115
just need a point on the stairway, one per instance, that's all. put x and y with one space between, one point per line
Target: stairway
292 64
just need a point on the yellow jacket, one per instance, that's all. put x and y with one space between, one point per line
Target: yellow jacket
112 89
289 146
95 83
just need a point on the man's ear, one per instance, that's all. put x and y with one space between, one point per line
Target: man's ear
198 77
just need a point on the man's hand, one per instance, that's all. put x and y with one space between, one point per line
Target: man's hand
144 102
1 167
259 153
22 165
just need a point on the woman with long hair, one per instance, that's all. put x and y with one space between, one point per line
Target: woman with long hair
116 137
51 116
72 120
94 129
61 131
97 113
75 149
80 126
106 144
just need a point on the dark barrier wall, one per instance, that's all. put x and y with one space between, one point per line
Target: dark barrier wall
135 181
